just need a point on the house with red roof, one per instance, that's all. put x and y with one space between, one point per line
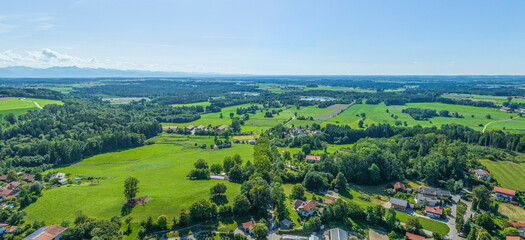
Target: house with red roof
513 238
248 226
53 232
434 212
312 158
399 187
328 201
166 128
412 236
190 127
504 194
11 229
305 209
28 178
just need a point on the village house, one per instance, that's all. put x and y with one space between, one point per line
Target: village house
2 227
435 192
305 208
504 109
202 128
60 176
312 158
166 128
504 194
482 175
328 201
28 178
251 141
3 178
11 186
434 212
399 187
411 236
286 224
236 140
422 199
338 234
513 238
11 229
248 226
399 204
53 232
222 127
190 127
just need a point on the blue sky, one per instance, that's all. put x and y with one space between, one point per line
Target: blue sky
268 37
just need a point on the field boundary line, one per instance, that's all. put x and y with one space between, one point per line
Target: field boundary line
37 105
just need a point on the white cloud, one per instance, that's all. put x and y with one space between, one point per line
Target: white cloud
50 58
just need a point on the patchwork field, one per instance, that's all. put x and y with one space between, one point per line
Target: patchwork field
16 106
161 169
508 174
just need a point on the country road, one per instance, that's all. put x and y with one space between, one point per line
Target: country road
506 120
37 105
290 119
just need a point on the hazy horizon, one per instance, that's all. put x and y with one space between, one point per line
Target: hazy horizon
268 37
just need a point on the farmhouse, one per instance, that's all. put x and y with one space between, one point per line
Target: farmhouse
252 142
504 194
222 127
422 199
202 128
60 176
482 175
505 109
11 186
434 192
399 204
399 187
53 232
236 140
248 226
411 236
513 238
312 158
305 209
434 212
338 234
3 178
2 227
190 127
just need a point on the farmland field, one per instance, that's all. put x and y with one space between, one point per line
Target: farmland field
204 104
514 213
495 99
509 174
16 106
161 169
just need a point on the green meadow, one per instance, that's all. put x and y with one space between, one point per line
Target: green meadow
377 114
161 169
508 174
495 99
16 106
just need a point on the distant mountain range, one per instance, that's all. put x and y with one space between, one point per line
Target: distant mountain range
77 72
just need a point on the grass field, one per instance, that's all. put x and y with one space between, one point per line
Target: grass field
508 174
514 213
256 123
16 106
495 99
376 114
204 104
161 169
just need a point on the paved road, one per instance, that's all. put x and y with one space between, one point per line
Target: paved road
24 100
506 120
290 119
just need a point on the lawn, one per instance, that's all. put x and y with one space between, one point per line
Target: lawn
428 224
508 174
16 106
161 169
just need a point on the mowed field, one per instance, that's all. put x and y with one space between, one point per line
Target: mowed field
376 114
161 169
16 106
488 98
509 174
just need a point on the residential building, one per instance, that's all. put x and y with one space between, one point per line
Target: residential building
11 229
482 175
3 226
513 238
505 109
435 192
338 234
426 200
190 127
57 175
287 224
504 194
312 158
166 128
399 204
251 141
434 212
28 178
53 232
248 226
399 187
222 127
328 201
305 209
